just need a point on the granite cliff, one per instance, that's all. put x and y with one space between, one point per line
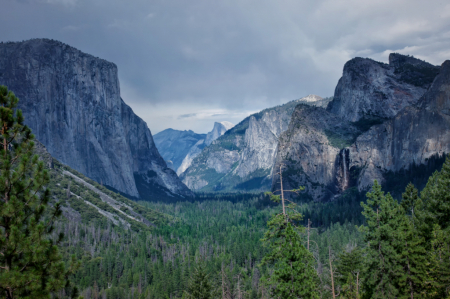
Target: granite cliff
179 148
218 130
243 158
373 90
71 101
348 145
413 136
174 145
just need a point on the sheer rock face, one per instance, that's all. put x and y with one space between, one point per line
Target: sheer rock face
218 130
370 89
327 154
71 101
310 154
243 158
413 136
179 148
174 145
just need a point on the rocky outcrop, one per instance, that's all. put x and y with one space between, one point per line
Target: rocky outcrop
174 145
413 136
179 148
71 101
243 158
326 153
373 90
311 153
218 130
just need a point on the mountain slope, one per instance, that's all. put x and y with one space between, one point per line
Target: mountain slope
174 145
179 148
327 154
218 130
242 159
84 200
310 152
71 101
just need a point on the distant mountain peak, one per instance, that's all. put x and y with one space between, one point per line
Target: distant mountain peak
227 124
310 98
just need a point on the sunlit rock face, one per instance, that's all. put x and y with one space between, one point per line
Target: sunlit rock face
243 158
71 101
179 148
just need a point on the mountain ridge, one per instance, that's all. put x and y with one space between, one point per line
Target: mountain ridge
71 100
242 158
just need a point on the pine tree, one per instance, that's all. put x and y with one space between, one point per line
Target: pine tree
293 274
199 286
30 263
434 225
412 248
383 218
436 199
349 268
439 259
350 288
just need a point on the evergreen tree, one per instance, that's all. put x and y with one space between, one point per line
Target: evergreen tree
412 251
349 268
350 288
199 286
293 274
436 200
383 216
31 265
439 260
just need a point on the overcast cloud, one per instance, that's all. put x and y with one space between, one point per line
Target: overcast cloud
187 63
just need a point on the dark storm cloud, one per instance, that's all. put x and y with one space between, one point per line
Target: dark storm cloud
230 57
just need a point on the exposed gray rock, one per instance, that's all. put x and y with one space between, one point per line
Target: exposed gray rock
193 152
413 136
328 154
243 158
71 101
371 89
311 155
181 147
174 145
218 130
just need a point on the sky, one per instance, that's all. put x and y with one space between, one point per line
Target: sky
184 64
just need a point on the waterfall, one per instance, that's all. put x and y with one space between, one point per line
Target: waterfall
345 170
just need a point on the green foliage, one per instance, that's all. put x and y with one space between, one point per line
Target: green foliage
382 215
339 140
421 76
32 266
293 273
436 196
199 286
408 253
350 264
439 263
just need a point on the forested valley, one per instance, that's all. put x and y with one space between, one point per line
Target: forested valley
384 248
